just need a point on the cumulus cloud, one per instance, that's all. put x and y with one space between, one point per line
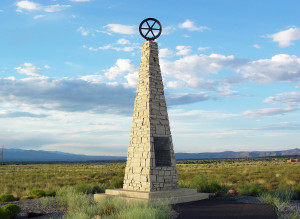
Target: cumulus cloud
122 66
93 78
281 67
285 37
290 99
29 69
132 79
121 29
27 5
66 95
165 52
183 50
268 112
190 25
47 66
189 70
32 6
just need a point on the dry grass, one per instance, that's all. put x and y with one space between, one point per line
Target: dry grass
270 174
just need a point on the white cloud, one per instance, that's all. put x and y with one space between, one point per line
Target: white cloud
290 99
83 31
123 41
55 8
116 46
27 5
189 25
93 78
189 68
285 37
203 48
29 69
256 46
47 67
268 112
39 16
132 79
122 29
1 11
32 6
121 66
183 50
165 52
281 67
168 30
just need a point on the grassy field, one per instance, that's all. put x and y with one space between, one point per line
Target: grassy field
244 175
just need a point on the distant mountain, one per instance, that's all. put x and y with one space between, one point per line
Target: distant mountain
241 154
19 155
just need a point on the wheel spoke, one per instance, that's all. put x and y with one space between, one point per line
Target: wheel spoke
154 29
147 33
152 33
148 24
153 24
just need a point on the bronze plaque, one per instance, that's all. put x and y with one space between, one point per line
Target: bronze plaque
162 151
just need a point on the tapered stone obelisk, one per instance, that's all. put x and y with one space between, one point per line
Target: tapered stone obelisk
150 172
150 163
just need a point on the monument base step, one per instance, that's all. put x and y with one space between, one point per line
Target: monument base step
170 196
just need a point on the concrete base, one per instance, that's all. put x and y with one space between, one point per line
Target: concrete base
170 196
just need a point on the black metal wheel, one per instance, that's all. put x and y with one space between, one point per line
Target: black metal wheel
150 29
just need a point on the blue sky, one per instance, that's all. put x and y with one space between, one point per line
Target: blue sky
69 68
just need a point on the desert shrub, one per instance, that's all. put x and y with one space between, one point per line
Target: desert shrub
3 215
108 210
116 182
37 193
83 206
203 184
11 210
50 193
83 188
281 202
99 188
7 198
251 189
25 197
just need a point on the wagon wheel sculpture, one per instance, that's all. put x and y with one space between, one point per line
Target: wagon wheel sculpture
150 29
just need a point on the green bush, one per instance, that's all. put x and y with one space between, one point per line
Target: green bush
99 188
3 215
7 198
51 193
11 210
37 193
116 182
83 188
202 184
252 190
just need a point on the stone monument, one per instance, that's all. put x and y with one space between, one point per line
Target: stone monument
150 172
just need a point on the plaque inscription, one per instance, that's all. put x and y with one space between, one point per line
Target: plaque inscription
162 151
